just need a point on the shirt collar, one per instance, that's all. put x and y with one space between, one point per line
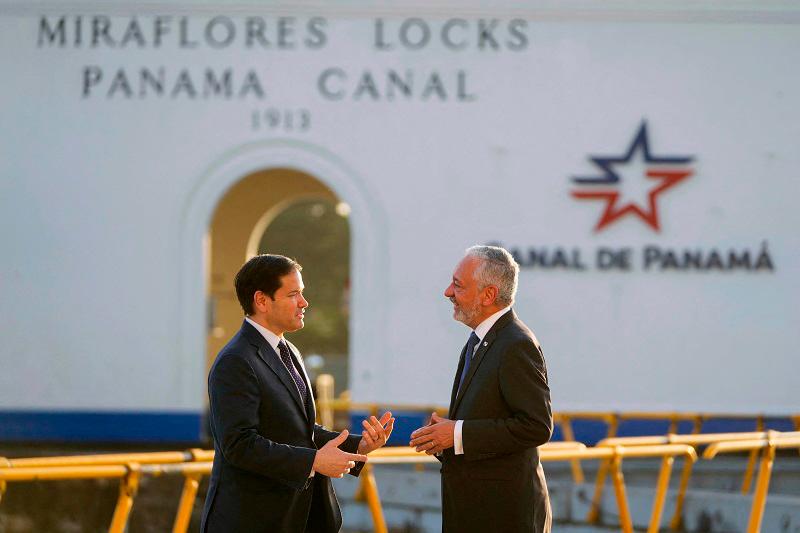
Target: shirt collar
484 327
270 337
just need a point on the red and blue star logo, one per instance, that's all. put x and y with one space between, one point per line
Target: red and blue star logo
631 184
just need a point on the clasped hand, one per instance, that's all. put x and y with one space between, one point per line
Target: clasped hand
436 437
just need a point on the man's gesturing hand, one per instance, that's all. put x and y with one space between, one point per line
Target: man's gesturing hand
332 462
435 437
376 432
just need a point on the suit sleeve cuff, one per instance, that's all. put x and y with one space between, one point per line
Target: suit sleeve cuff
458 443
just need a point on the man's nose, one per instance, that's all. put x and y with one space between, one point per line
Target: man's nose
303 302
448 292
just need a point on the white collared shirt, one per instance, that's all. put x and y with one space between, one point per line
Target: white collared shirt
270 337
480 331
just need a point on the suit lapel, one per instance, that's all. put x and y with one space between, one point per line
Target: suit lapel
483 348
273 361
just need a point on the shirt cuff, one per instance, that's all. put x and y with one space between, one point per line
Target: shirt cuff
458 444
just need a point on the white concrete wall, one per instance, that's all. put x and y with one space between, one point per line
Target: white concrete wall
105 197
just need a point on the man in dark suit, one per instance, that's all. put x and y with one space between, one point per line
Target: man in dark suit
492 479
272 463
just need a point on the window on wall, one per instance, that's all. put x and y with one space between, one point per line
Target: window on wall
317 234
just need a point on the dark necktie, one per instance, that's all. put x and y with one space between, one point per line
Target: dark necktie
286 357
468 353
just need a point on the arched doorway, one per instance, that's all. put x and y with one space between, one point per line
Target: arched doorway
288 212
316 232
331 178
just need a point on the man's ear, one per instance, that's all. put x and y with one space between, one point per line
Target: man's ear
489 294
260 301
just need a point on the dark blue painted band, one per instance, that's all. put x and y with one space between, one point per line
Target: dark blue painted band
91 426
120 426
591 431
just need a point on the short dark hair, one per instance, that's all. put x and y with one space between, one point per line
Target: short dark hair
262 273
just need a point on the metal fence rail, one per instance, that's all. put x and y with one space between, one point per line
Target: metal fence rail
767 445
194 464
368 490
694 440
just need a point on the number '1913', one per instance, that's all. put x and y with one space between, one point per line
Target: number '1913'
273 118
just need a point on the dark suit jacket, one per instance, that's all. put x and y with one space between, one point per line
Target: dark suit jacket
265 442
498 484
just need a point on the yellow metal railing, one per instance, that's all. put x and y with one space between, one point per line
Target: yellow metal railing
129 483
693 440
373 408
327 406
767 445
564 419
612 420
193 473
368 490
194 464
129 468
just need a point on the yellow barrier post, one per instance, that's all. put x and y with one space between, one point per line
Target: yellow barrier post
697 426
128 487
667 452
673 424
186 504
796 420
677 518
625 522
602 472
661 493
193 472
674 420
594 511
751 461
569 436
369 490
3 464
762 487
325 385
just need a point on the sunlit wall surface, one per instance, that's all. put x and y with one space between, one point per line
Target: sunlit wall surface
640 159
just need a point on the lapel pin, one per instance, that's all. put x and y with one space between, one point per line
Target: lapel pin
485 343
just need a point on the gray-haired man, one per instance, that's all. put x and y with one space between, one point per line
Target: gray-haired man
492 479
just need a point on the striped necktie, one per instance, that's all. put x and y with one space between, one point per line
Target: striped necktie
286 357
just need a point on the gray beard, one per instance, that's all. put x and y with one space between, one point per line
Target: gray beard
465 316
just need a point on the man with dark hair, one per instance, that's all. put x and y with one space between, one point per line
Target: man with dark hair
272 462
492 479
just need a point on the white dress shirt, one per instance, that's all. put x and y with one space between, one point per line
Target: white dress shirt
270 337
273 341
480 331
